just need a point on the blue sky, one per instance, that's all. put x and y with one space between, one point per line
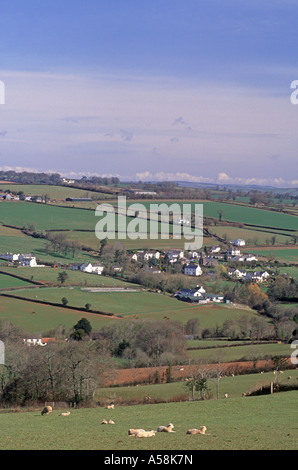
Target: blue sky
194 90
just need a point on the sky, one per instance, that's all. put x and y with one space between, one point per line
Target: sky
159 90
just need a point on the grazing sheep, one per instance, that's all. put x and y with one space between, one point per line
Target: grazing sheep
202 430
111 421
226 395
289 378
244 394
67 413
145 433
110 407
168 428
133 432
47 410
104 421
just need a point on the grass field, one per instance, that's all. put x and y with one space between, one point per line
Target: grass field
74 278
9 281
251 237
143 305
238 353
238 213
37 318
289 255
234 424
233 386
55 192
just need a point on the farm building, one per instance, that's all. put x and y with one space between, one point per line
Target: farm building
192 270
92 268
238 242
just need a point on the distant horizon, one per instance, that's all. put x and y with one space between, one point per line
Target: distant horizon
150 181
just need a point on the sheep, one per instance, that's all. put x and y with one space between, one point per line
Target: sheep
226 395
65 414
202 430
145 433
111 421
133 432
46 410
104 421
110 407
168 428
244 394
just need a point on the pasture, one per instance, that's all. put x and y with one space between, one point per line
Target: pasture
74 278
54 192
139 305
36 318
287 255
249 423
234 386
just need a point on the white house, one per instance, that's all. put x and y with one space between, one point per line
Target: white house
250 258
233 251
151 255
238 273
192 270
10 256
174 255
238 242
215 249
27 260
92 269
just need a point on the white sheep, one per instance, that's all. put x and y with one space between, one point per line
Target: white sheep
226 395
168 428
110 407
104 421
145 433
133 432
111 421
46 410
67 413
202 430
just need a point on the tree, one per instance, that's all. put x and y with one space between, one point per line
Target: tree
64 301
62 277
84 325
87 306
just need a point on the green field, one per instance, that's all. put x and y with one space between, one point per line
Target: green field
234 386
289 255
36 318
251 237
74 278
234 424
142 305
9 281
55 192
238 353
238 213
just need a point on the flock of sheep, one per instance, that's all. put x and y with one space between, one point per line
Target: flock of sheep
134 432
168 428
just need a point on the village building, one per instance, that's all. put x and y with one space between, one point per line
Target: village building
192 270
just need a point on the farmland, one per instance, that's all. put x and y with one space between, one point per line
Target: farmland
31 299
143 305
241 426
